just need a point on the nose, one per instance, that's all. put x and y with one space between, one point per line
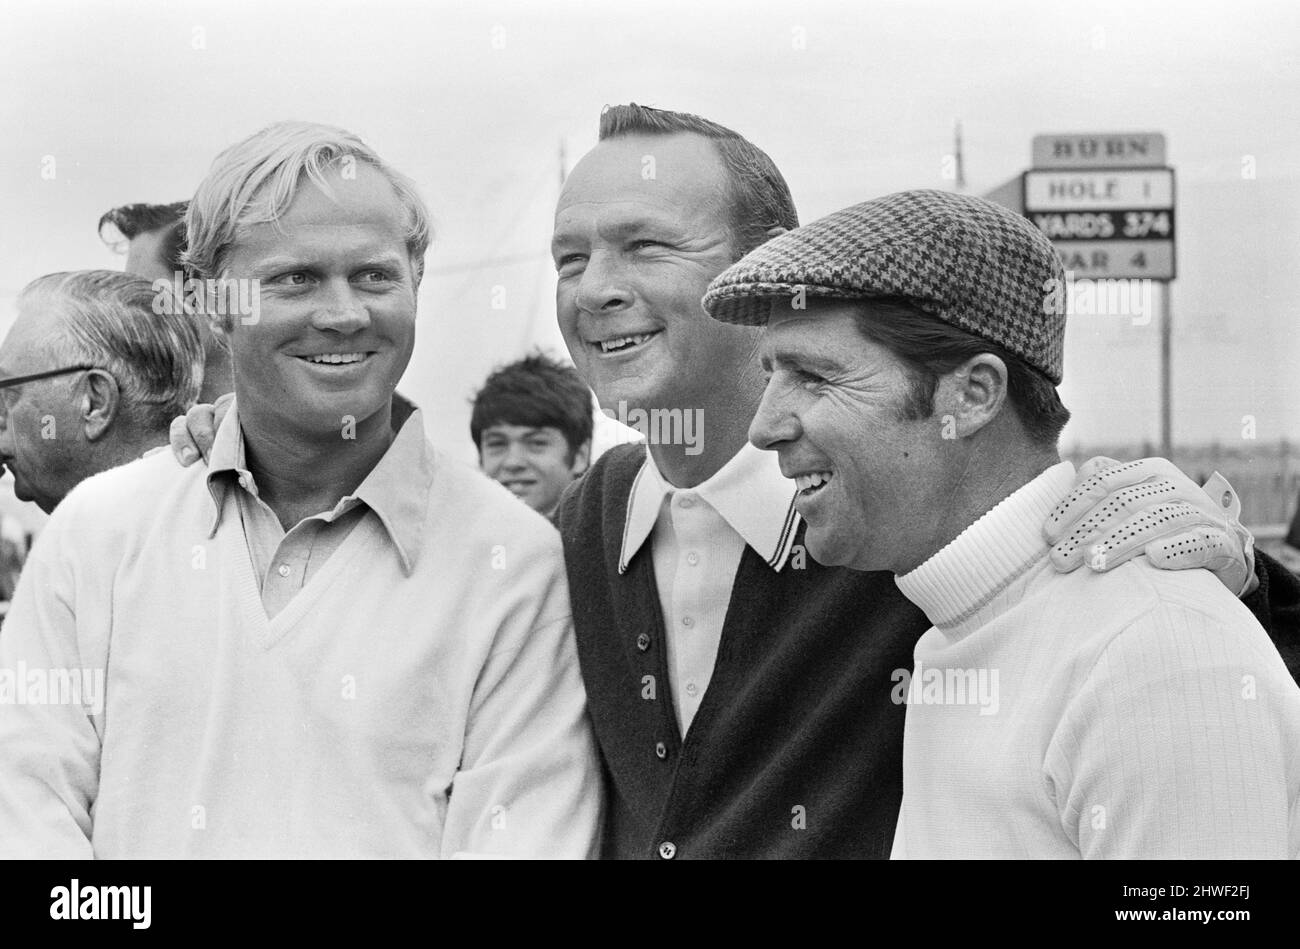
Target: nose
6 437
341 309
774 424
603 286
516 457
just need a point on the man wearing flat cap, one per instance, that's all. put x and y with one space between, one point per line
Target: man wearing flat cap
914 345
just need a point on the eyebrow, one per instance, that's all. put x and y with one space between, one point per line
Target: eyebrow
621 230
797 359
528 431
278 264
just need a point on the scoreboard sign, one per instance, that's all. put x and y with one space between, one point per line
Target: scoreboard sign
1106 223
1100 150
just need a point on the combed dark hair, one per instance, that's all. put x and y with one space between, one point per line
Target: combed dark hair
760 198
930 348
536 391
132 220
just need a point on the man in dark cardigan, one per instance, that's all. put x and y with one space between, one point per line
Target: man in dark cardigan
740 692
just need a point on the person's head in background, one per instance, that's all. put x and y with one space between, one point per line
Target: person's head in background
153 238
118 374
151 235
532 424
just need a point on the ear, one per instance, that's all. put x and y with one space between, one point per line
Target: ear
581 459
100 403
974 393
221 323
219 328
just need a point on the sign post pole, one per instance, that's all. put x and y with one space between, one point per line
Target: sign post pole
1166 381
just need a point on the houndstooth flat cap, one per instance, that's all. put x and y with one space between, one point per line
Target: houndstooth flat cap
964 260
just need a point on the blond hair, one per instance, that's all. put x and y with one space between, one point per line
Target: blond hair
254 182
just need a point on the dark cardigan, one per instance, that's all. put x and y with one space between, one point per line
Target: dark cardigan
797 748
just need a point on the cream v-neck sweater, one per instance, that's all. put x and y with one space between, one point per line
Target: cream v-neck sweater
377 715
1136 713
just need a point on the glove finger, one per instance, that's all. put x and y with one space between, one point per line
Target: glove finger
1131 537
1102 483
1139 499
1125 505
1094 465
1209 547
1072 506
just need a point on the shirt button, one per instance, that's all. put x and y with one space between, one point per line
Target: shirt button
661 751
691 688
283 570
643 642
667 850
688 501
688 621
692 558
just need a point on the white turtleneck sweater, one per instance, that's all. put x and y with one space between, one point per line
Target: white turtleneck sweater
1135 713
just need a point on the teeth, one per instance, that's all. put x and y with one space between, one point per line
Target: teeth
336 358
610 345
814 480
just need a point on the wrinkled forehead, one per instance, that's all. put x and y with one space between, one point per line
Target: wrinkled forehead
37 323
345 194
361 215
39 316
810 328
670 177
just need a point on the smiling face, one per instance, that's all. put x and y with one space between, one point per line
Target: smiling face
534 463
641 228
336 324
873 484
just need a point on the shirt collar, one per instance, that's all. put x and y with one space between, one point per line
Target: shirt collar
396 489
749 492
959 580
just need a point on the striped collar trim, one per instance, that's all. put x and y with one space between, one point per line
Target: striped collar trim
749 492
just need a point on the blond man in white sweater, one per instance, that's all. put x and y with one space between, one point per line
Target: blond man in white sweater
914 343
333 641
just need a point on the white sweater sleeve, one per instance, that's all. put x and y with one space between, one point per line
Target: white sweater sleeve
529 783
49 746
1177 744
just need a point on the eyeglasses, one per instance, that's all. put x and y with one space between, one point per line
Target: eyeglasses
19 380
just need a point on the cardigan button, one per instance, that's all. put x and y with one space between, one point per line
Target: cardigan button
661 751
667 850
643 642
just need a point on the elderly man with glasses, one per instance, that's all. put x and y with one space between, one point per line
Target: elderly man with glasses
90 378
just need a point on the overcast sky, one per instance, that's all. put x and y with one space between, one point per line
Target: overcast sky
852 99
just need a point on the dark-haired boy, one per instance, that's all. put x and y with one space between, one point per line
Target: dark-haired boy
532 424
